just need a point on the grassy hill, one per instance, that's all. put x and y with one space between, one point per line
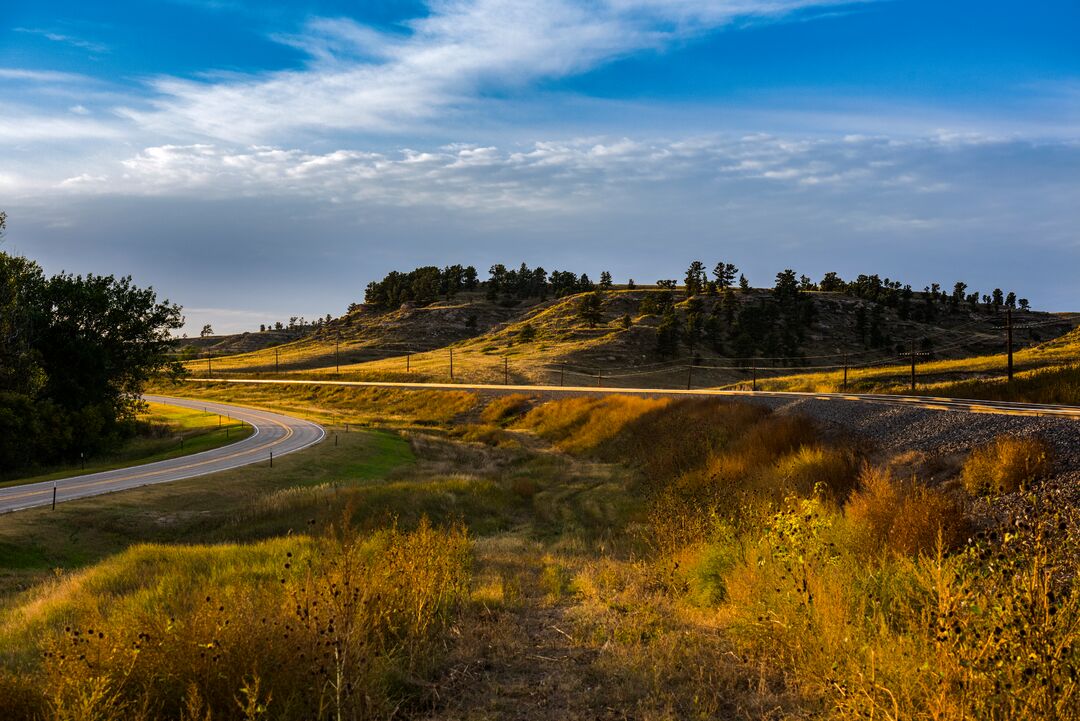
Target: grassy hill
551 341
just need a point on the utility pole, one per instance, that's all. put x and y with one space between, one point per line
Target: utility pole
1009 341
599 377
689 375
408 362
912 365
337 357
451 364
845 372
506 371
562 374
754 386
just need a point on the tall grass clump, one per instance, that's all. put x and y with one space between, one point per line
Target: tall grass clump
339 626
506 408
904 517
582 425
1005 465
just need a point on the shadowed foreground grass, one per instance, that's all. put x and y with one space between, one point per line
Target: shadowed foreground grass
582 558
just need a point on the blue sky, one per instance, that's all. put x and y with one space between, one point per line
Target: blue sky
255 160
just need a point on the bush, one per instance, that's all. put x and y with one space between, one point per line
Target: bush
1006 465
904 518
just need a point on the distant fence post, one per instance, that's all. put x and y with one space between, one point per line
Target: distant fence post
754 386
506 371
689 375
1009 342
451 364
844 386
912 365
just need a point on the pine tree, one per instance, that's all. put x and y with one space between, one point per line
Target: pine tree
589 307
695 279
667 334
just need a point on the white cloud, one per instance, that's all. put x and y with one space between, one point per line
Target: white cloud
16 126
361 79
41 76
556 175
76 42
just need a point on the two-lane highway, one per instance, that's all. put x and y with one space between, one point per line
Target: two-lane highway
273 433
280 434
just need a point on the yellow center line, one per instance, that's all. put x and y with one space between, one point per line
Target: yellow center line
289 432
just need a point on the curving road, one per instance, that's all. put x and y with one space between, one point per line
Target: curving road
281 434
274 433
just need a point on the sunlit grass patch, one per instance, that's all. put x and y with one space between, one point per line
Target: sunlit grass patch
338 404
1006 465
331 626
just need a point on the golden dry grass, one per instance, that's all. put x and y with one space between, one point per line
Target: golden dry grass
332 627
1006 465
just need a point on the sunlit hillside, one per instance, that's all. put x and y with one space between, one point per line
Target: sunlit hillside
553 342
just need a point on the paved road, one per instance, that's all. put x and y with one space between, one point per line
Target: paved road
274 433
927 402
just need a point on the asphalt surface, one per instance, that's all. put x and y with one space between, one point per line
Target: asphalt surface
273 433
283 434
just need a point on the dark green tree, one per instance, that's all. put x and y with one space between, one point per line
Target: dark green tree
832 283
590 307
667 334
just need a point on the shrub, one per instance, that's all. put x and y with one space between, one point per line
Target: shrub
904 518
817 468
1005 465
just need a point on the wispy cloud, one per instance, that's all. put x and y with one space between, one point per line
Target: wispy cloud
361 79
75 42
30 126
42 76
584 173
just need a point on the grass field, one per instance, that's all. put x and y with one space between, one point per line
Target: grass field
161 429
550 344
1045 373
582 558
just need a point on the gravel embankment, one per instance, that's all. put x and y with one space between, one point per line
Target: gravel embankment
895 429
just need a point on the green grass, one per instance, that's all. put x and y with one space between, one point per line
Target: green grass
1046 373
670 559
212 508
162 427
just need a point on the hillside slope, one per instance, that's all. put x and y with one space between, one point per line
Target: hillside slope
554 341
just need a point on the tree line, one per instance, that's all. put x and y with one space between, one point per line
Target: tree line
427 284
75 354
